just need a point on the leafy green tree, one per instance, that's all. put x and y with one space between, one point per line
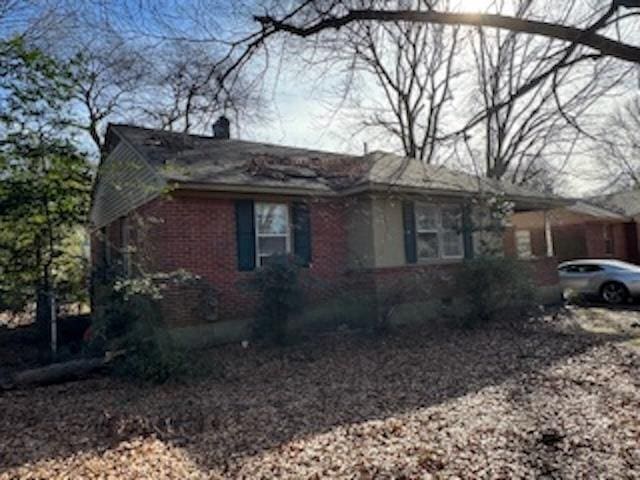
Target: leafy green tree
46 179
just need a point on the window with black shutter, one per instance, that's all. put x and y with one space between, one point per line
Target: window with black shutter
245 235
302 232
265 229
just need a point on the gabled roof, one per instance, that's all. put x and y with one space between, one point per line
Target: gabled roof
626 203
206 162
389 170
195 159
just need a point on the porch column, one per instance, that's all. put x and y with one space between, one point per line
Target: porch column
547 234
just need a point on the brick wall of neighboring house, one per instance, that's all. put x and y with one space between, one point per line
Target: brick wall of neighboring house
633 238
509 242
621 249
545 271
570 242
596 243
578 235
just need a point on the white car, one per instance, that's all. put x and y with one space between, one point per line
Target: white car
614 281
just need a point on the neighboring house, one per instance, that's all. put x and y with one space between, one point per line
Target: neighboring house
218 207
581 230
626 203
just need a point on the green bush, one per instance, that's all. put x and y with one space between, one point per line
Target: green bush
132 324
491 288
151 355
281 294
394 298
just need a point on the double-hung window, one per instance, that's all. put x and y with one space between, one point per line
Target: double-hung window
439 231
273 236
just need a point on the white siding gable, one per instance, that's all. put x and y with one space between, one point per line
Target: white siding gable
125 181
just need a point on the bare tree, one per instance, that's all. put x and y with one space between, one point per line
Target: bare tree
29 19
603 31
312 17
109 77
413 67
125 77
186 93
532 136
619 145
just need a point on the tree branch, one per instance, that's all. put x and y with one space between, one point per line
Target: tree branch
586 37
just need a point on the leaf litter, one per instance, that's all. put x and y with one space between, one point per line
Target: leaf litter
547 399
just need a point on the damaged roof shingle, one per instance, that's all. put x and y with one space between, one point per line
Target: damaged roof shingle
225 162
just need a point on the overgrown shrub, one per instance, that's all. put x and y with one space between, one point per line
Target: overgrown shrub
281 294
150 354
131 323
416 287
491 288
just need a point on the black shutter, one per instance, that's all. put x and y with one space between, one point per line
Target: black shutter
301 232
245 235
467 231
409 220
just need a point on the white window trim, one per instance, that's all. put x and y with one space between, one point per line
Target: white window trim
439 230
259 235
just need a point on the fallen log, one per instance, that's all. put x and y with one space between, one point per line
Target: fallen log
56 372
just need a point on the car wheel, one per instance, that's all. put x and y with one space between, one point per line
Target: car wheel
614 293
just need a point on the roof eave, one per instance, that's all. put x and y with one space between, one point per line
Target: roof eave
522 201
597 211
248 188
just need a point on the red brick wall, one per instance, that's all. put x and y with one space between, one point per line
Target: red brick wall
631 235
577 235
426 279
198 234
545 271
620 247
538 242
509 242
594 237
595 240
439 280
569 242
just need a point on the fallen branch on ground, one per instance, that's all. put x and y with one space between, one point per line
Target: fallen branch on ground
57 372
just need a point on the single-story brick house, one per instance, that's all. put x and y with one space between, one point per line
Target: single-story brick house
218 207
580 230
626 203
599 227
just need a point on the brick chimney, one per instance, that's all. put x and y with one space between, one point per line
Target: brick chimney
221 128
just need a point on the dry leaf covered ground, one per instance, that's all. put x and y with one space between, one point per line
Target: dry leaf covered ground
550 399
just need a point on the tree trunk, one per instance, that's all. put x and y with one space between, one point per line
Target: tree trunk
54 373
57 372
43 317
